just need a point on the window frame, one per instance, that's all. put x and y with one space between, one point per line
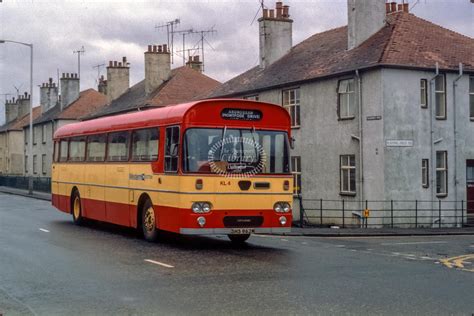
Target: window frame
295 118
296 172
56 151
443 170
71 140
178 144
35 164
443 92
43 164
65 140
348 168
43 134
424 93
157 129
347 93
425 173
26 164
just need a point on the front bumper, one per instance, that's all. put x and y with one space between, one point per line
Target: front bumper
227 231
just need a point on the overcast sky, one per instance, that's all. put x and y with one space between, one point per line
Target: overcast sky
109 30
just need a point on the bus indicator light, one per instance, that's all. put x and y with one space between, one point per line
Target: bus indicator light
201 221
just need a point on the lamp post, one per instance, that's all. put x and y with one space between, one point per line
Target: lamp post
30 142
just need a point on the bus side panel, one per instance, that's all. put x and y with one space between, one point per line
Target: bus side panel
117 194
63 196
94 203
54 186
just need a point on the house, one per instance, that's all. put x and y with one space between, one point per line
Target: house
55 112
161 86
11 134
382 109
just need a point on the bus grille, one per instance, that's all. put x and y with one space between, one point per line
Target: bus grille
243 221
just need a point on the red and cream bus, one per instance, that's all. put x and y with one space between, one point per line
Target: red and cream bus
204 168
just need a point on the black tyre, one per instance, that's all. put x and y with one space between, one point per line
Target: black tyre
239 239
149 222
76 208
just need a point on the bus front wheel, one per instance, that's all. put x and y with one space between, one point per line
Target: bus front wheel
238 239
150 231
76 209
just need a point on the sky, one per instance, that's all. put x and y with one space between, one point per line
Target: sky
110 29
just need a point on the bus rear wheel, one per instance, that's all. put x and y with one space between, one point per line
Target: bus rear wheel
238 239
76 209
150 231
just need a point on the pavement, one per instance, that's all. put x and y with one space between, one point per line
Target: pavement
314 231
49 266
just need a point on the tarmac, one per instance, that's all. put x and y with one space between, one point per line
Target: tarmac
315 231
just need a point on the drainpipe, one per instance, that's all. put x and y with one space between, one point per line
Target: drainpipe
361 130
433 171
455 84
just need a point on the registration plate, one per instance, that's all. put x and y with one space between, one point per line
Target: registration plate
242 231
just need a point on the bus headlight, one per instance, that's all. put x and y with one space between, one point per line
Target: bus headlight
201 221
282 207
282 220
201 207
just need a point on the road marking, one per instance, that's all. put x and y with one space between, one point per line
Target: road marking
459 262
413 243
159 263
44 230
284 239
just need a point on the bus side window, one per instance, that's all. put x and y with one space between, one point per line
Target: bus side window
145 144
63 151
171 149
96 147
77 149
56 151
118 146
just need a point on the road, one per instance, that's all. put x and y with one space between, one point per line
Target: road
48 266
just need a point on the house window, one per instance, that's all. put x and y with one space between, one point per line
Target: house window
425 173
43 164
441 173
251 97
43 133
35 164
348 174
471 97
26 164
34 135
296 171
346 97
171 149
440 97
291 101
424 93
26 132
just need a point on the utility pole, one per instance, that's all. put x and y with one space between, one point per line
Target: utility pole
79 52
170 30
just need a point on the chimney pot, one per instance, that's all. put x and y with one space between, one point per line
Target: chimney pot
165 48
154 48
124 60
272 13
286 11
120 64
393 7
110 63
115 63
279 9
196 58
265 13
387 7
26 94
400 7
160 49
149 48
405 8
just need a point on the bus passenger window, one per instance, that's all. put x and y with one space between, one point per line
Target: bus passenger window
171 149
145 145
77 149
64 147
96 147
118 146
56 151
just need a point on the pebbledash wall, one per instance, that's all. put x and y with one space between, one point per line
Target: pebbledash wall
391 111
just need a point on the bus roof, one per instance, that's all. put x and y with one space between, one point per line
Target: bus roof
275 117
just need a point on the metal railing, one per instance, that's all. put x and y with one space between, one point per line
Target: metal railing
41 184
384 214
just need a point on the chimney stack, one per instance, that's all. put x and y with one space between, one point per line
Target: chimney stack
48 95
194 63
118 78
365 19
157 67
102 87
276 34
23 105
393 7
11 110
69 89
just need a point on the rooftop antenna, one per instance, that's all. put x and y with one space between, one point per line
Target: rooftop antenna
98 66
203 39
17 90
260 8
184 33
79 52
170 26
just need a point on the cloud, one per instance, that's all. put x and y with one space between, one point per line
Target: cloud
110 29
